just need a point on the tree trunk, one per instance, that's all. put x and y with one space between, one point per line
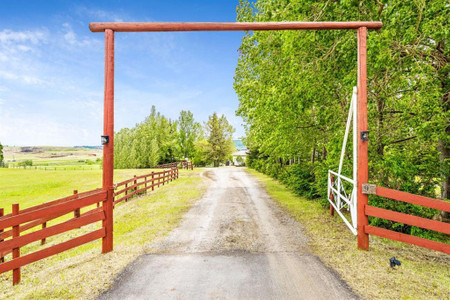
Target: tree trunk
313 156
443 146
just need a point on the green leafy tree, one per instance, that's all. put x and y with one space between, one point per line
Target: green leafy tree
219 136
1 154
188 131
294 89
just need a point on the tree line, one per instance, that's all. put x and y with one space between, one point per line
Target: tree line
158 140
294 89
1 155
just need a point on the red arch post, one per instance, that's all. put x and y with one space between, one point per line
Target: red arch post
108 147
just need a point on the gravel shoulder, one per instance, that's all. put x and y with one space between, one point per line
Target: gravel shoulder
233 243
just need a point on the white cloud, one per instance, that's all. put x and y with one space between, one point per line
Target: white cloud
14 43
35 130
8 37
74 40
99 15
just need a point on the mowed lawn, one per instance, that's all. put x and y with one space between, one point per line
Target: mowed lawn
84 272
424 274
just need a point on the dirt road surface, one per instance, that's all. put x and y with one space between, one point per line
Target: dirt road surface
234 243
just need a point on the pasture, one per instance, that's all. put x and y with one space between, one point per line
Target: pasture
53 158
137 223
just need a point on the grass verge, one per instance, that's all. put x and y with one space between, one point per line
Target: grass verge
424 274
83 272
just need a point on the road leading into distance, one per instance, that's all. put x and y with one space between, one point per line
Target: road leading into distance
234 243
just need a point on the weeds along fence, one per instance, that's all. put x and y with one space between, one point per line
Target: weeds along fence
23 227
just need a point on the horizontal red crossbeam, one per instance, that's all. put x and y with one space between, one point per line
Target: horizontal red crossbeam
236 26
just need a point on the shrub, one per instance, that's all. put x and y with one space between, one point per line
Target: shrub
26 163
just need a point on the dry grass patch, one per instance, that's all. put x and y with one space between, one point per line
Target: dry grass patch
424 274
83 272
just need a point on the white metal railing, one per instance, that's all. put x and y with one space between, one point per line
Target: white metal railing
341 199
338 196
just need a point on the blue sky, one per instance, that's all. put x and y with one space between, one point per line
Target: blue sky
51 67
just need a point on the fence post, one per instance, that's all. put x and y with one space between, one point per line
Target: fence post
108 143
16 251
153 180
135 184
362 157
44 225
145 183
2 259
332 195
77 212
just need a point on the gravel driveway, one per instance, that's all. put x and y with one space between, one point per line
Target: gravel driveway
234 243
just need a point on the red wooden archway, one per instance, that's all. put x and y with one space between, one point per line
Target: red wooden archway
108 125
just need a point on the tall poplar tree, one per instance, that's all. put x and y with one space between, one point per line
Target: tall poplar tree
1 154
188 132
220 139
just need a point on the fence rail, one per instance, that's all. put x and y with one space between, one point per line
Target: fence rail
140 184
18 229
18 218
184 164
409 219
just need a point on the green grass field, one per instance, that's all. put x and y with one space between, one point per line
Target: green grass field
424 274
83 272
30 187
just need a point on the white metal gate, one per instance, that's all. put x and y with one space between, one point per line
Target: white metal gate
342 192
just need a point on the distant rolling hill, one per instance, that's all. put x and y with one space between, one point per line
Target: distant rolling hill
239 145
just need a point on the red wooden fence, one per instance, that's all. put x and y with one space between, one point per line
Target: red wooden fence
140 184
409 219
22 221
183 163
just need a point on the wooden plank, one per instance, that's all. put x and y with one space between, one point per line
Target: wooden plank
51 231
124 182
55 209
228 26
408 219
413 199
409 239
120 191
41 254
32 224
61 200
